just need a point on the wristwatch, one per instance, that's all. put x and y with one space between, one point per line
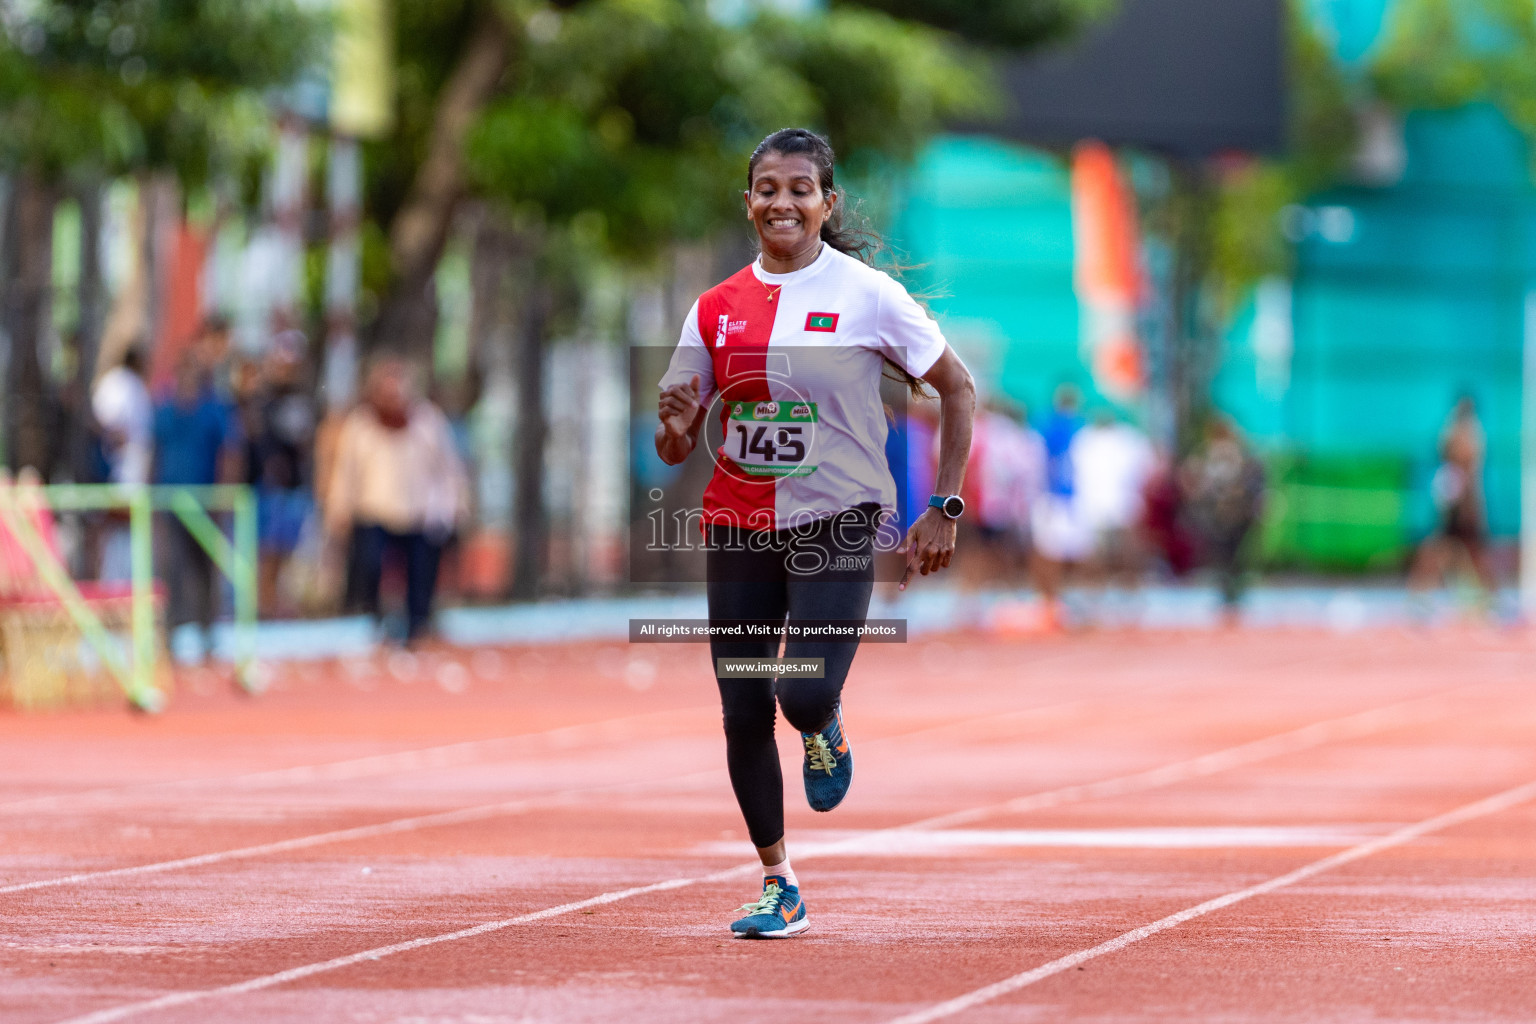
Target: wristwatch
953 506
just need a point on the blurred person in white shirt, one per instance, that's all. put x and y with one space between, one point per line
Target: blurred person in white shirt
1005 477
125 415
1114 462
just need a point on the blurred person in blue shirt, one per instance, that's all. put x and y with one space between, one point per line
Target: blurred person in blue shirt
197 442
1061 535
1058 429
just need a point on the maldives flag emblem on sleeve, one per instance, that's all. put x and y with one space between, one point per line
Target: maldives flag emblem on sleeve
825 322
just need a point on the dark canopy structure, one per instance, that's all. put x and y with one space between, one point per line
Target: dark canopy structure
1189 78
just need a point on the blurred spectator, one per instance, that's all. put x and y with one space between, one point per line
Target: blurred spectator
1164 523
1061 538
398 485
922 446
1457 490
1224 486
1004 478
247 388
329 561
197 442
1113 461
82 445
125 414
911 446
123 409
457 399
280 421
211 349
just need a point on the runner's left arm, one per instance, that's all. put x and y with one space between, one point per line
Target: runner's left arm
931 539
910 338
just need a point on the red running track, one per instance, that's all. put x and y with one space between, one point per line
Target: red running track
1234 827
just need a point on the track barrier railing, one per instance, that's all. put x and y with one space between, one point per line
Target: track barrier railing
194 507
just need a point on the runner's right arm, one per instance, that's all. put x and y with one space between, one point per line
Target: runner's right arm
682 417
685 392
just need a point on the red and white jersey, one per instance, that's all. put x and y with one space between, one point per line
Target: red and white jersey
789 367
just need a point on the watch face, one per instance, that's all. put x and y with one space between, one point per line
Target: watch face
953 506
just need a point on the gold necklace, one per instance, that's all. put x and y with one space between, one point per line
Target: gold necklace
774 289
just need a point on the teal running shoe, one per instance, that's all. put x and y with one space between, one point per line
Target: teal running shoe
779 914
828 764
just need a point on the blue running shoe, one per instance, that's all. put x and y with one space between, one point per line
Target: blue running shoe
778 915
828 764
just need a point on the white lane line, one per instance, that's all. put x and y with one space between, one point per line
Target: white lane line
450 755
950 842
1351 726
1048 714
1479 809
267 981
1356 726
174 999
1308 737
385 828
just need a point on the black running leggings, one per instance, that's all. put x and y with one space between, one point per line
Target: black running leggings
820 573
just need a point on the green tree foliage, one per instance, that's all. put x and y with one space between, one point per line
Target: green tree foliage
1440 54
1434 55
428 37
882 87
623 110
634 116
122 85
642 112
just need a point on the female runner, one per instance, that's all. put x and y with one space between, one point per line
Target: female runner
790 351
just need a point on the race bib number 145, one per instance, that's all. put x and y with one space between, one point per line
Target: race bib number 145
771 438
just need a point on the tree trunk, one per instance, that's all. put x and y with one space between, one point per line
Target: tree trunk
1191 336
529 523
407 319
29 253
92 300
491 313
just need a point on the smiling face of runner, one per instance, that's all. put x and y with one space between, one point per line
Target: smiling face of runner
788 203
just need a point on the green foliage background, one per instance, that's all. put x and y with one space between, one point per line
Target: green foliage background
1434 55
639 114
114 88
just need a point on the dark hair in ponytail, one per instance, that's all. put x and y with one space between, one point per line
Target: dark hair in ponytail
846 230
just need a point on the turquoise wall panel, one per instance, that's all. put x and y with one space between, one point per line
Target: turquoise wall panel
988 227
1421 302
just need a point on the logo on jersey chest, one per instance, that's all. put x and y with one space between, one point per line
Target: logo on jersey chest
727 327
824 322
